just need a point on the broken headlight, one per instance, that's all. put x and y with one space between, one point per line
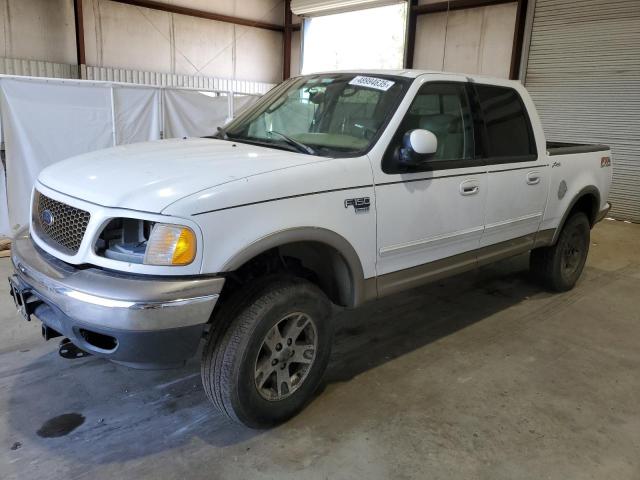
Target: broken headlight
141 241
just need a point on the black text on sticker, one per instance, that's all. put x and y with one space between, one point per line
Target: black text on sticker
372 82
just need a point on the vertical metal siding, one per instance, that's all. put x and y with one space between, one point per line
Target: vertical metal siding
174 80
38 68
583 73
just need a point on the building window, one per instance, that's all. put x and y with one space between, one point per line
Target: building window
365 39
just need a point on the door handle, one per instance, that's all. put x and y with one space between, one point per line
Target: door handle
533 178
469 187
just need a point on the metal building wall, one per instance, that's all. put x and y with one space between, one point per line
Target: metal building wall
198 82
583 71
37 68
33 68
144 39
472 40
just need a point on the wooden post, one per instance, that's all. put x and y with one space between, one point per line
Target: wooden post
411 34
518 38
79 23
286 42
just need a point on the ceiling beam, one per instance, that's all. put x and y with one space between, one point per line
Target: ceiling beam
192 12
454 5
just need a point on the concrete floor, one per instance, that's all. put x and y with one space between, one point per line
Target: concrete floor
482 376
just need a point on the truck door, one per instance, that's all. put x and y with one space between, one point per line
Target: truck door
430 217
517 174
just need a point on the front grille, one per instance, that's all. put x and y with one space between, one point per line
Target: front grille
58 224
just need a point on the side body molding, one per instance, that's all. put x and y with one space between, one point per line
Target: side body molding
361 289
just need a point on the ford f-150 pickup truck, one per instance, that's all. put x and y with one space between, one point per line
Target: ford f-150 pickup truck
333 189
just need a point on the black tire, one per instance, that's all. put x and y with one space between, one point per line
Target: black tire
559 266
237 343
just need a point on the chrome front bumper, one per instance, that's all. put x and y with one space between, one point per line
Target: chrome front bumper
131 309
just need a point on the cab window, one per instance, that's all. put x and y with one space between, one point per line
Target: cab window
509 136
443 109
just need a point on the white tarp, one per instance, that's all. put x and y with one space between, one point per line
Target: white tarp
241 102
5 226
190 113
136 114
45 121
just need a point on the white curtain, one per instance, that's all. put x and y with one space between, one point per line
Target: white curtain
193 114
241 102
5 226
45 121
137 114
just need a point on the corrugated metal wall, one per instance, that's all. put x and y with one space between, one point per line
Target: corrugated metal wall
175 80
37 68
583 72
34 68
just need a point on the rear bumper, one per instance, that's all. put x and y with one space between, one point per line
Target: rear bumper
131 319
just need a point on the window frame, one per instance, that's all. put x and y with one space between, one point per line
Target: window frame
484 134
390 166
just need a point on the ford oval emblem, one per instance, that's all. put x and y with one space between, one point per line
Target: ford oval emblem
47 218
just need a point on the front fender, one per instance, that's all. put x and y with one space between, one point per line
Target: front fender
360 289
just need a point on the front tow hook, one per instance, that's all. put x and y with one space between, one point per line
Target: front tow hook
70 351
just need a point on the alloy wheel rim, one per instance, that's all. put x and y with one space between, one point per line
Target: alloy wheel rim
286 356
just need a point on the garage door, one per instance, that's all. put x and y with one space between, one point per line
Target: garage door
583 71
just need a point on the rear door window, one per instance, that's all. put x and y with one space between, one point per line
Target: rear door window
509 136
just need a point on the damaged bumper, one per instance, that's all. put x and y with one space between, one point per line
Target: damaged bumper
138 320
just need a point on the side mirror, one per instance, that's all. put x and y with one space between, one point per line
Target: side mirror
417 146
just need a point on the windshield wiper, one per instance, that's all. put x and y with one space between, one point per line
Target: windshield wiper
299 145
221 134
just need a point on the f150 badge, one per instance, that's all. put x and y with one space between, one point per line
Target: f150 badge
360 205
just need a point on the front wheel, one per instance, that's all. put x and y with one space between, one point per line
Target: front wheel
268 362
559 266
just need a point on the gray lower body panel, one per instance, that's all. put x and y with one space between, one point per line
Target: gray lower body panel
413 277
142 349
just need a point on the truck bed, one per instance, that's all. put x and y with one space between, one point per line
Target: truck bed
561 148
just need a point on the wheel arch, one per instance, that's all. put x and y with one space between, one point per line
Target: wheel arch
340 274
586 200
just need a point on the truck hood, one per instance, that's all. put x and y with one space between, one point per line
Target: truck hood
150 176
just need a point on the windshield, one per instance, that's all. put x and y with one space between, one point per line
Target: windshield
331 114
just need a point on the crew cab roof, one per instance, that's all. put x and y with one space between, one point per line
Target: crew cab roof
414 73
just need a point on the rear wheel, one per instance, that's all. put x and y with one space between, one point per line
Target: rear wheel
559 266
266 364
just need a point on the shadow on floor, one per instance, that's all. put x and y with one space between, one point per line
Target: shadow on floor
129 414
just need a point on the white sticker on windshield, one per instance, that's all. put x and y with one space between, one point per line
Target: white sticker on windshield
372 82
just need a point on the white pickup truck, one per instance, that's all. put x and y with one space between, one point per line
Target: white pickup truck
333 189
